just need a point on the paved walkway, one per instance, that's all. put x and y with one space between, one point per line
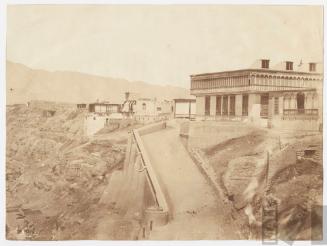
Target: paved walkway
196 213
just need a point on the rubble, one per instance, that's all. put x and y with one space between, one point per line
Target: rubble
55 176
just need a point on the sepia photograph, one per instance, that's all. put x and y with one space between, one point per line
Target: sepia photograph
164 122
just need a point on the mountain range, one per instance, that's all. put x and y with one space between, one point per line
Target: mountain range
25 84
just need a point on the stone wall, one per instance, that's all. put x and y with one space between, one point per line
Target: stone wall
208 133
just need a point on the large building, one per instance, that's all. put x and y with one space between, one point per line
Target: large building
282 96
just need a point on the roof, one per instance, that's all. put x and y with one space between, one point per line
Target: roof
259 70
104 103
184 100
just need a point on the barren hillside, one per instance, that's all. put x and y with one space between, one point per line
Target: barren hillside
25 84
55 177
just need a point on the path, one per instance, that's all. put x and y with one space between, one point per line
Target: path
196 212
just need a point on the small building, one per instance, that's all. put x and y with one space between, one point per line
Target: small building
104 108
100 115
288 95
146 109
81 106
184 108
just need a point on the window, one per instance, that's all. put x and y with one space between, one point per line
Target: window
207 105
312 67
264 105
232 105
158 108
144 106
265 64
289 65
276 105
245 105
218 105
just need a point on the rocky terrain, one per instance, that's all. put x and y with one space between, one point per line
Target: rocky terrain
55 176
57 180
294 181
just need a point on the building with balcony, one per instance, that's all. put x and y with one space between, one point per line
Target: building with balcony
288 95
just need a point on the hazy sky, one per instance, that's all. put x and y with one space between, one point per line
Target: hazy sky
160 44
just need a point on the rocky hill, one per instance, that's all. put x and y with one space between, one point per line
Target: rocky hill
25 84
55 176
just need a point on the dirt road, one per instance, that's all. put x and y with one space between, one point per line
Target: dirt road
196 212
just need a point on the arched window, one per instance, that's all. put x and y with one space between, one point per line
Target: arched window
300 102
144 106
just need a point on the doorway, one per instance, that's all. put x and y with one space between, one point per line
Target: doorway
300 102
207 105
264 105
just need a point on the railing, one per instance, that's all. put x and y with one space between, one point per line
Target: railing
300 111
184 115
153 118
302 114
151 176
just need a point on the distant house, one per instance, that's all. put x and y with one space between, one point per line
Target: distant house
104 108
81 106
101 114
146 109
114 108
184 108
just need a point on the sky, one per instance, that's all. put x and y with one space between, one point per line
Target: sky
160 44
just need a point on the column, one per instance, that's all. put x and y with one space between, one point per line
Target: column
200 105
293 101
238 105
254 106
221 104
212 105
228 103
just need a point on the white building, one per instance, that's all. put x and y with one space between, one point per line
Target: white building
146 110
184 108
